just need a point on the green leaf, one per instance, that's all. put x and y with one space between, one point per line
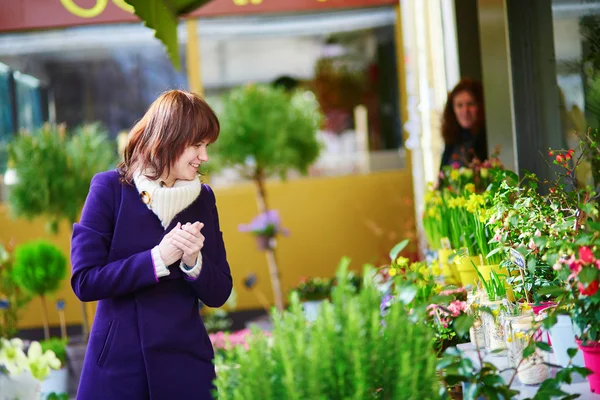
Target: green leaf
462 324
163 17
529 350
397 249
588 274
572 352
550 290
549 321
543 346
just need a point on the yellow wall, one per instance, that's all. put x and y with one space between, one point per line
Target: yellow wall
359 216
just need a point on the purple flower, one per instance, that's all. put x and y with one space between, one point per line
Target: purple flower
267 224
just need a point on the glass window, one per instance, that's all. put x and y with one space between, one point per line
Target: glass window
576 26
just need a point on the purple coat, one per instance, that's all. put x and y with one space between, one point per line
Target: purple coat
148 340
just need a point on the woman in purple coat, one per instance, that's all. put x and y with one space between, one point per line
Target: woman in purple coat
148 246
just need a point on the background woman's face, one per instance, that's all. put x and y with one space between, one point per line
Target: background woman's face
466 109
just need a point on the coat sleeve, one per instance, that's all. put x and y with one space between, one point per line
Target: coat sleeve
93 277
214 284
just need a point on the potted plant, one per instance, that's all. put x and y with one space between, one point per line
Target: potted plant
351 350
266 132
311 293
23 369
40 158
39 268
57 381
12 298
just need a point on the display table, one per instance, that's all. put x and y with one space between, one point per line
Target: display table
580 385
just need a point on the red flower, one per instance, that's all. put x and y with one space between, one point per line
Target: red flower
560 158
551 153
591 289
586 255
571 152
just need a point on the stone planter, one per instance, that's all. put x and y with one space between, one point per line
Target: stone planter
57 382
21 387
563 338
311 309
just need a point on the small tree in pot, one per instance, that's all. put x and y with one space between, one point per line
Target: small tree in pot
54 171
39 268
267 131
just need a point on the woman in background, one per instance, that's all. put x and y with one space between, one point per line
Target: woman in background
463 125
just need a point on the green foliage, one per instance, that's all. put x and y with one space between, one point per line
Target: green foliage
163 16
350 351
267 131
39 267
58 346
54 171
11 292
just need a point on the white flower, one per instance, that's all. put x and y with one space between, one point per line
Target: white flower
12 357
40 363
14 360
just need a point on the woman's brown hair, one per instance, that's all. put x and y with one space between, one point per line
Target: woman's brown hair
174 121
450 127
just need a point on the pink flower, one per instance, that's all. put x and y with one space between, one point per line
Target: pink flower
586 255
532 245
457 307
456 165
538 233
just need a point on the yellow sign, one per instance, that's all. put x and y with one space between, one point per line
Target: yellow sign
94 11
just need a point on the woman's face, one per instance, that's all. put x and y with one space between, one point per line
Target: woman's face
466 109
186 166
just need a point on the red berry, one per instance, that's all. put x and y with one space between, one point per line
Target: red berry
568 156
552 190
571 151
550 153
560 158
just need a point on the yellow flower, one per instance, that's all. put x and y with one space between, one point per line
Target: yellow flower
457 202
435 269
509 339
402 261
475 202
454 175
392 272
470 187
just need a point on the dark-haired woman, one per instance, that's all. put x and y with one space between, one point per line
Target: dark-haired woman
463 125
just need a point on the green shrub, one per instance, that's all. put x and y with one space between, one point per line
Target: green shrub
350 352
58 346
38 269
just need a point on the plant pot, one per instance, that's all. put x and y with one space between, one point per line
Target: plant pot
532 370
591 356
494 331
449 272
563 338
311 309
486 270
466 270
22 387
477 334
57 382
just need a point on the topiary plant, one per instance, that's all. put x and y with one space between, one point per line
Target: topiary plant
267 131
54 170
351 351
39 267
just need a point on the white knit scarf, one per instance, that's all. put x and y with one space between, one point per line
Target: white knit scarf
167 202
